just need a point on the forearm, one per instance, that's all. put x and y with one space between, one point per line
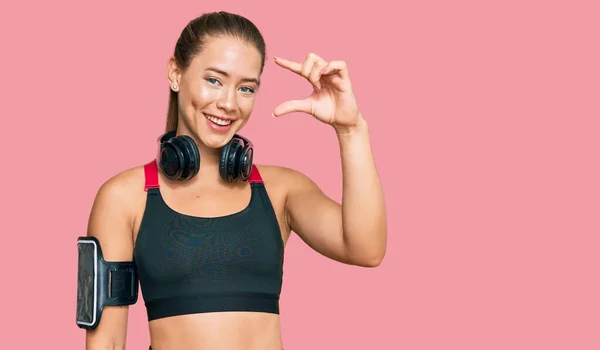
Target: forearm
363 206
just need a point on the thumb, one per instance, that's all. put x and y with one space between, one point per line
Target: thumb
293 106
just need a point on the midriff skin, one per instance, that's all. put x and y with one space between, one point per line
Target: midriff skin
218 330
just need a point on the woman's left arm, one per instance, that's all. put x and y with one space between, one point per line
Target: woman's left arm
354 232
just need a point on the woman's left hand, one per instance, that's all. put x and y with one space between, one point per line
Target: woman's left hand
332 101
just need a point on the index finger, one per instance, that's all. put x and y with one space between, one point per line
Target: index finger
293 66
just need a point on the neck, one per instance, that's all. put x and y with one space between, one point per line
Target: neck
209 165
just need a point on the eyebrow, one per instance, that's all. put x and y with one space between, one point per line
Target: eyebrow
217 70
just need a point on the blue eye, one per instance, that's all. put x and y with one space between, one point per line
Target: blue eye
212 81
250 90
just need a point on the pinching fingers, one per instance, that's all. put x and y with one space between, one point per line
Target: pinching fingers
336 67
311 63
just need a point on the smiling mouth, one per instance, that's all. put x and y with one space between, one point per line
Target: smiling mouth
222 122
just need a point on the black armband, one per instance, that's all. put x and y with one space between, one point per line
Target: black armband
101 283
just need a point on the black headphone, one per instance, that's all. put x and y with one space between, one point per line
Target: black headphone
179 158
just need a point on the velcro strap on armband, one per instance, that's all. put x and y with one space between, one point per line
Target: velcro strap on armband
122 283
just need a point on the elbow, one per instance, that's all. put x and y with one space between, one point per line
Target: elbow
369 253
369 260
373 261
371 257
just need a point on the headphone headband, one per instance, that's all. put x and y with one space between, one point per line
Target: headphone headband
246 141
166 136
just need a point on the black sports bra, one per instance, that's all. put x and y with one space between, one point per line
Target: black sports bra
190 264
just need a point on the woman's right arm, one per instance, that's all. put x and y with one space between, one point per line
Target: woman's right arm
110 222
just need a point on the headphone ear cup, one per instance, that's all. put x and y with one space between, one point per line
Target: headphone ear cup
236 159
223 160
234 163
171 159
228 164
191 157
245 162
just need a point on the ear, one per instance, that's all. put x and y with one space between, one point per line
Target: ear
173 73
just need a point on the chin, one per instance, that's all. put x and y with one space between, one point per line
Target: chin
211 140
215 139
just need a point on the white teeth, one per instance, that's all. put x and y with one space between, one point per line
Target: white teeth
217 120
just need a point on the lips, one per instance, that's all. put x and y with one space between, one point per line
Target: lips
217 120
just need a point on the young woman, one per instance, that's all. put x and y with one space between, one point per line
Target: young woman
206 227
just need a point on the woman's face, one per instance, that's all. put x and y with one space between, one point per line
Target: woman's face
218 90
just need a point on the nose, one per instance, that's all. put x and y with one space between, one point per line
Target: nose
227 100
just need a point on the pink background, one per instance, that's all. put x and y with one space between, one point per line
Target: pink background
484 119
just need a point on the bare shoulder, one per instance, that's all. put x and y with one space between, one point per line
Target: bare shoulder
114 212
287 183
284 178
124 183
279 182
303 207
121 189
